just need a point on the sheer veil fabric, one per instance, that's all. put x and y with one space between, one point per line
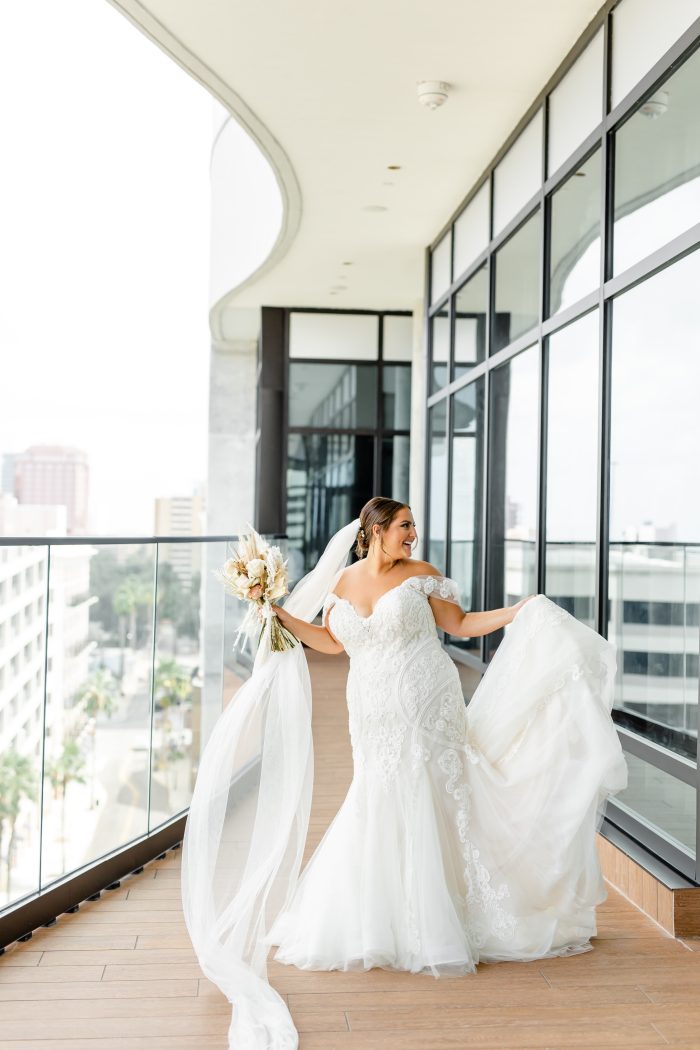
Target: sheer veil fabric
540 756
248 819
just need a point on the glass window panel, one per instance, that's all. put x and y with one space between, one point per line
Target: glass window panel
22 586
98 712
513 428
437 502
439 349
519 175
574 262
642 32
396 396
395 466
397 338
466 508
654 508
177 708
471 306
572 470
517 284
664 803
335 335
329 478
329 395
471 230
441 267
576 104
657 166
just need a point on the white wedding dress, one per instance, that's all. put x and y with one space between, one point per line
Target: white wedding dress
468 833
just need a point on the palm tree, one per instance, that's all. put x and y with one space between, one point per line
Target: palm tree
17 782
128 598
97 695
67 767
172 687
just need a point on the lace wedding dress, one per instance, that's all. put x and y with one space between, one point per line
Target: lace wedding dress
468 833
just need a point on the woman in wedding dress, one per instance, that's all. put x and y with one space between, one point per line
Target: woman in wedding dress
468 833
446 853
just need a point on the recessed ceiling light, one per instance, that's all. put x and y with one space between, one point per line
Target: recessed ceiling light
375 207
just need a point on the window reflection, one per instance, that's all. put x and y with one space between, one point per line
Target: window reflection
329 478
332 395
437 502
471 306
396 397
661 800
574 265
517 284
395 467
657 168
572 471
471 230
466 508
513 426
439 349
654 576
441 268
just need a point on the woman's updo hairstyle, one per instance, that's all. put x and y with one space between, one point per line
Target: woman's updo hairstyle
377 511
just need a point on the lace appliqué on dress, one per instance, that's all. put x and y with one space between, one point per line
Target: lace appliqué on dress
484 914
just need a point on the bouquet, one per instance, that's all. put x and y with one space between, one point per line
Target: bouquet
256 573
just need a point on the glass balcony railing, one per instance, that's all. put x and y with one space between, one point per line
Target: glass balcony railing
115 661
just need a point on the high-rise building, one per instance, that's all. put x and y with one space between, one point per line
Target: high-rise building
55 474
181 516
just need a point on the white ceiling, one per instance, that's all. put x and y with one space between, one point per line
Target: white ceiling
329 91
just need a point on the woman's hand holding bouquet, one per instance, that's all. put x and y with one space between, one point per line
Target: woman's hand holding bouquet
257 573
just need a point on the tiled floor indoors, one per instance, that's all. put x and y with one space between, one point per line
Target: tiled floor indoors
120 974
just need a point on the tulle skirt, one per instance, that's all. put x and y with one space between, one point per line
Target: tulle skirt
484 850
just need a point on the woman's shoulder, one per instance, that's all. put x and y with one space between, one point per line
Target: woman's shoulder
348 574
424 568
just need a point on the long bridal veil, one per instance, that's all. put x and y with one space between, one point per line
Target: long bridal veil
248 819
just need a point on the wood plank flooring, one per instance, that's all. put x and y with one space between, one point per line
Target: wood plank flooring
120 974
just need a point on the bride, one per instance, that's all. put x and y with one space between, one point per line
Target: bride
468 833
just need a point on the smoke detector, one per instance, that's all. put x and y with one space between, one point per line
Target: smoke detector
433 93
655 106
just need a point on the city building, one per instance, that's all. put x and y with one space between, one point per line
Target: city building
181 516
57 475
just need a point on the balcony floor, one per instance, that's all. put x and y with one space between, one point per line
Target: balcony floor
120 974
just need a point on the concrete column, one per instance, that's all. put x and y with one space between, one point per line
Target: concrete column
230 499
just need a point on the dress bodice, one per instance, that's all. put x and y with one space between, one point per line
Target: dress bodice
401 618
401 682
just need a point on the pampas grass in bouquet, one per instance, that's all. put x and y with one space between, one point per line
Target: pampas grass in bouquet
256 573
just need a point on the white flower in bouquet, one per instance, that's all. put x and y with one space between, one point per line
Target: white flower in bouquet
257 573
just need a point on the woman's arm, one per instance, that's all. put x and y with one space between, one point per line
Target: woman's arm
319 638
453 620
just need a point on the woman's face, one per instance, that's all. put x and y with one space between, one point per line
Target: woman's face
398 539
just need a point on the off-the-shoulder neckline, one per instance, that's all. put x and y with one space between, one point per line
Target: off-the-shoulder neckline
416 576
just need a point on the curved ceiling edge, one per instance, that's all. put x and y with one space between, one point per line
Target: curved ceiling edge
271 149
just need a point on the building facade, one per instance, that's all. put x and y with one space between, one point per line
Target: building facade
562 430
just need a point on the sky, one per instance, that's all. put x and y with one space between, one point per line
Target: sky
104 255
